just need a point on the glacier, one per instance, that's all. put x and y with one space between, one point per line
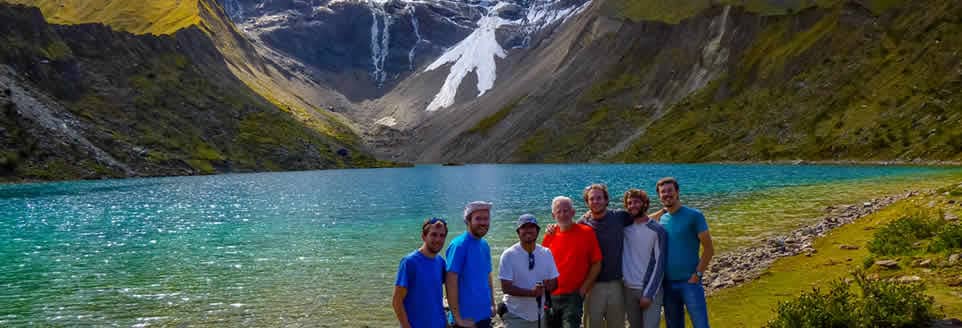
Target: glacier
479 51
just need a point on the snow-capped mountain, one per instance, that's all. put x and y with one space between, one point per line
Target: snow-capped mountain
365 47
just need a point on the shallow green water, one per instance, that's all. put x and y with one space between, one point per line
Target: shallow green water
321 248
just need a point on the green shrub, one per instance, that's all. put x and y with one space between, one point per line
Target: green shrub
899 237
818 309
951 190
956 192
9 161
878 303
950 237
868 262
887 303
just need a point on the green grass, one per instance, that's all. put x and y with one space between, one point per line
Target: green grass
604 113
827 91
58 51
138 17
491 121
674 11
753 304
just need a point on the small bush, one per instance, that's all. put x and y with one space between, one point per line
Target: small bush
868 262
9 161
879 303
818 309
949 238
899 237
956 192
887 303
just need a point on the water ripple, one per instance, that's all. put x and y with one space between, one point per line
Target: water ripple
322 247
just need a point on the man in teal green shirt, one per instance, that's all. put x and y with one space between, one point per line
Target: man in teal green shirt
687 232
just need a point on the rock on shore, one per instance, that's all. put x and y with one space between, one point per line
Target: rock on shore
746 264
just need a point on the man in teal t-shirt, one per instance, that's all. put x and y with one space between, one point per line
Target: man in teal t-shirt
687 232
468 278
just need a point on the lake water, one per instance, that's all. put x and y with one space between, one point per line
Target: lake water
320 248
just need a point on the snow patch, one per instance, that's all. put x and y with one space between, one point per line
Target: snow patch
542 15
476 53
388 121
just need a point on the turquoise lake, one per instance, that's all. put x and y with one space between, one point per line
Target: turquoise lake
321 248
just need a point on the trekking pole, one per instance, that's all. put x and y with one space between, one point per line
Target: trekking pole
538 299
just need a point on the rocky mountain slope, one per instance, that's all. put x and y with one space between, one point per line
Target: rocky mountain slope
838 81
85 101
507 80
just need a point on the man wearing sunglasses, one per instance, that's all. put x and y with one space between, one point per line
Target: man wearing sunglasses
526 270
417 292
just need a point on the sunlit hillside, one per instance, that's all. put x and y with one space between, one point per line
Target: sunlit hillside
135 16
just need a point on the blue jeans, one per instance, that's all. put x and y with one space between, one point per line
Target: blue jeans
681 295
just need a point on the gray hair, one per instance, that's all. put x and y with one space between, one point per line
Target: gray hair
558 200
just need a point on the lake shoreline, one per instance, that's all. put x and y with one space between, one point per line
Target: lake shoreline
745 264
918 162
8 181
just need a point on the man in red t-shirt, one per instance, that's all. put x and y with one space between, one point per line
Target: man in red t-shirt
578 257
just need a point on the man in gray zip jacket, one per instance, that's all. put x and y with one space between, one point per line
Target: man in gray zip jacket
643 263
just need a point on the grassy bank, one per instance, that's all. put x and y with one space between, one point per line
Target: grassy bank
753 304
742 220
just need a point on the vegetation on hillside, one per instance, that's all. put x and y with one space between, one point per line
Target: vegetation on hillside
153 107
673 11
138 17
849 86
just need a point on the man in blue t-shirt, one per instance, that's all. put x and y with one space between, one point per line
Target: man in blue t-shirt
468 278
418 301
687 232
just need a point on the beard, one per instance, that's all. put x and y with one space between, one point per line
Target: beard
479 230
669 202
434 249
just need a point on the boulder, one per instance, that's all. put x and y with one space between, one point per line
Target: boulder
847 247
923 263
950 217
953 259
947 323
888 264
909 279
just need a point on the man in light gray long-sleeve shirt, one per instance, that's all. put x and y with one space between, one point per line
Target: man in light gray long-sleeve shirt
643 263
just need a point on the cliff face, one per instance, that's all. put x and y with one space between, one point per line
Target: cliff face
364 49
848 82
492 81
85 101
843 81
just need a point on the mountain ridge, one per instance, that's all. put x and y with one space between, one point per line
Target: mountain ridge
601 80
157 105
